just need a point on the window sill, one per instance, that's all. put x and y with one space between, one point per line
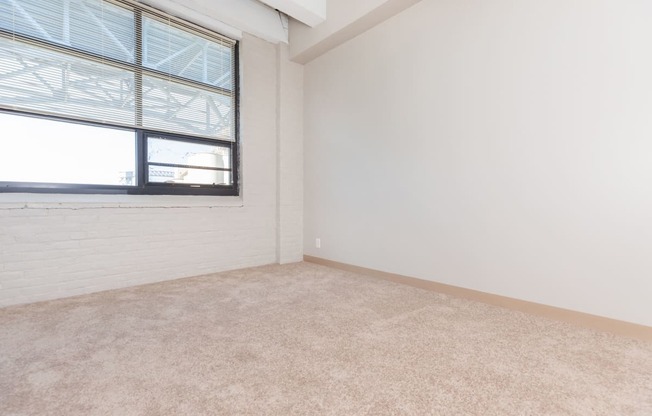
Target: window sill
87 201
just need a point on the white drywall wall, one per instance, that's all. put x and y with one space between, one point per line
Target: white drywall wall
503 146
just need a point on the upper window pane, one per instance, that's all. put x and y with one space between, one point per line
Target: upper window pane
40 150
42 80
180 53
175 107
94 26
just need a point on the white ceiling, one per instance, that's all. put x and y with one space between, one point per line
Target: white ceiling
312 33
232 17
229 17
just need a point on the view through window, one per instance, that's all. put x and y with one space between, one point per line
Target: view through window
111 96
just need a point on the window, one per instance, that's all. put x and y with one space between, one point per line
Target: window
109 96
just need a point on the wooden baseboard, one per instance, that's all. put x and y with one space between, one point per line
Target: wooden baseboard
585 320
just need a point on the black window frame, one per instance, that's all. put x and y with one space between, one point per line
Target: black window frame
143 187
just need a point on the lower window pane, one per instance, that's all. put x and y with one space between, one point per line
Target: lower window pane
181 161
164 174
41 150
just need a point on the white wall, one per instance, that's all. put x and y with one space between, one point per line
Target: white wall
53 246
503 146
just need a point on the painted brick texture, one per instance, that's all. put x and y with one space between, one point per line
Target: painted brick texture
290 158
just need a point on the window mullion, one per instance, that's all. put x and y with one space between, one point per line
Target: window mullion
141 159
138 74
141 146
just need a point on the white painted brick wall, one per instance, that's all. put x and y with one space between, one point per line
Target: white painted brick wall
52 249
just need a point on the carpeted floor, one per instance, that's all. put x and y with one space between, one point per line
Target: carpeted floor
303 339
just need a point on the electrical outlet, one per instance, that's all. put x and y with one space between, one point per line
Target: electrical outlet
318 242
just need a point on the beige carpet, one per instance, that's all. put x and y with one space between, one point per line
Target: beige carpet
307 340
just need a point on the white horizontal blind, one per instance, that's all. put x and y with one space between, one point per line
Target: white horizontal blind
117 63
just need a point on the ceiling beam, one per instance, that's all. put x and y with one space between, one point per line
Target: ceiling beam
346 20
309 12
